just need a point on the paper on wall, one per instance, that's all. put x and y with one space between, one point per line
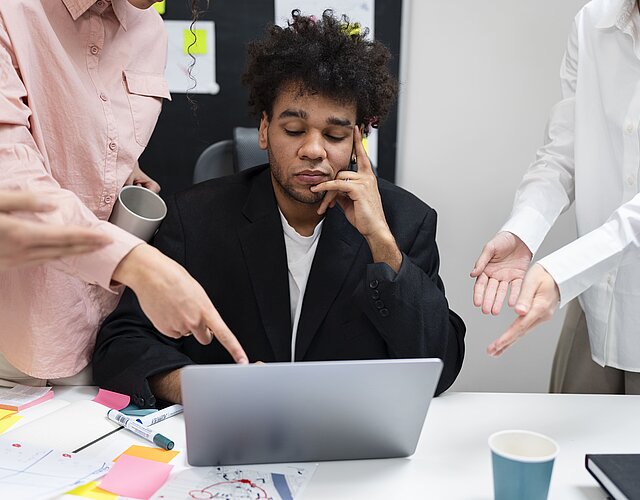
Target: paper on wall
191 51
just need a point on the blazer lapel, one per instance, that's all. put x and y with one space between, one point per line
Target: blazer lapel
264 251
338 246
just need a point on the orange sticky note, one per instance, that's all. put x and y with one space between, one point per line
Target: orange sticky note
149 453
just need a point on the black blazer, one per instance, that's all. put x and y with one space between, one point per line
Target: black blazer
228 234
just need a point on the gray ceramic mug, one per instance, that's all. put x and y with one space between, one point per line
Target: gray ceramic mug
138 211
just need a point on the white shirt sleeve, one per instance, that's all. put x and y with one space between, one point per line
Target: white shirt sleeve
578 265
547 188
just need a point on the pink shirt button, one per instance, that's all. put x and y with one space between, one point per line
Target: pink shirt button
94 50
112 146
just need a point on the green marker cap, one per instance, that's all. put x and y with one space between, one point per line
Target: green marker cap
163 442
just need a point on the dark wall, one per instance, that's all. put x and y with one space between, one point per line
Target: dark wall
182 134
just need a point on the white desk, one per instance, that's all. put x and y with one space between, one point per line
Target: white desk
453 460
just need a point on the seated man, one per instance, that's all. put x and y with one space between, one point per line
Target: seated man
305 258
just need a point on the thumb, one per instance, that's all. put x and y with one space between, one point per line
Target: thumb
528 291
481 263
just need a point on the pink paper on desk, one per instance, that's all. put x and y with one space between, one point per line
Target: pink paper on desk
135 477
112 399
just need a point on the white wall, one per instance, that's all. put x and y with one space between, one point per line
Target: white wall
479 78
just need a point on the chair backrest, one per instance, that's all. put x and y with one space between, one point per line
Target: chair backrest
215 161
246 150
230 156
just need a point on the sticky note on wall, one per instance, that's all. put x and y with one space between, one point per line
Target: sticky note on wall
195 42
160 6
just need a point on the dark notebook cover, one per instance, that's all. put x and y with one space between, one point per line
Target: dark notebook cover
619 475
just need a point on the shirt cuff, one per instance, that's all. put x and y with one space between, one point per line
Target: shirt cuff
98 267
530 226
582 263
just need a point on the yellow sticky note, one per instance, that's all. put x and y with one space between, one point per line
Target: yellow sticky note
365 144
91 490
161 6
9 421
155 454
5 413
197 45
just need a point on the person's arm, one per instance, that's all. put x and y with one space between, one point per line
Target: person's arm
409 308
23 169
176 304
404 294
130 352
566 273
358 196
167 386
27 243
547 190
130 348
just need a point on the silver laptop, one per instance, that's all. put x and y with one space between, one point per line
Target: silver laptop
299 412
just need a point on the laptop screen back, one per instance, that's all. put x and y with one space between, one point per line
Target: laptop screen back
296 412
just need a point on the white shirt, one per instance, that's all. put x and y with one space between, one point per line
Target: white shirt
592 154
300 253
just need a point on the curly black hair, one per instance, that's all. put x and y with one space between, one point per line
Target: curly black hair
329 56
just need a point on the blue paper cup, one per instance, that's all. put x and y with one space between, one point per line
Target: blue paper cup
522 464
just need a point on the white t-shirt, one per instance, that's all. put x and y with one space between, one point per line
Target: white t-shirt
300 253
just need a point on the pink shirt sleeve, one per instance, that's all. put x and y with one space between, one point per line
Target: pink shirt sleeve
22 167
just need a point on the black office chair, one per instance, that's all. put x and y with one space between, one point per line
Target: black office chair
230 156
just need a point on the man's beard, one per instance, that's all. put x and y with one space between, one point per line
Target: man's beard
305 196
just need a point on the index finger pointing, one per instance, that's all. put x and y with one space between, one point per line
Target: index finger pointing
227 339
364 165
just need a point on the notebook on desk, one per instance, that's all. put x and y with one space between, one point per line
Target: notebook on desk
619 475
298 412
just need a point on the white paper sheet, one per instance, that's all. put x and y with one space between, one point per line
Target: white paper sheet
67 428
33 472
21 395
272 481
178 61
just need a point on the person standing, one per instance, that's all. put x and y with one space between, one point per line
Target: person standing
81 88
591 156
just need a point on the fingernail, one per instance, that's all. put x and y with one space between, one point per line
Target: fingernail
243 361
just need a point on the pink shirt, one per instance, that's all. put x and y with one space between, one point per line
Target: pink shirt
81 87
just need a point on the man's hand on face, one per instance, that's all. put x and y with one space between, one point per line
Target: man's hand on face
358 196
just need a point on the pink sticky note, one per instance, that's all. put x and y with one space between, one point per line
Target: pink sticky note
135 477
111 399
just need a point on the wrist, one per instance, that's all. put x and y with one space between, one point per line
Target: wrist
384 248
166 386
134 267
